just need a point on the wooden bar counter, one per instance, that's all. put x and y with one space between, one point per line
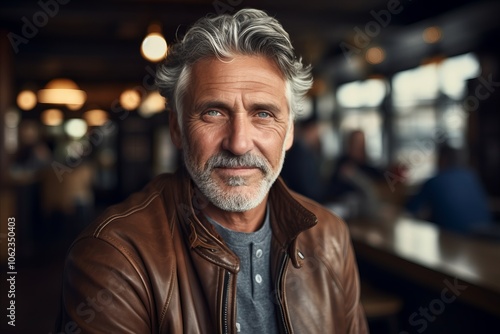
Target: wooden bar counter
439 259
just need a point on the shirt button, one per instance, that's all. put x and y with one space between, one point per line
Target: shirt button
258 253
258 278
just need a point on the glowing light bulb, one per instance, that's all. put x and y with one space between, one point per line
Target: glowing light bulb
52 117
375 55
432 35
130 99
26 100
154 47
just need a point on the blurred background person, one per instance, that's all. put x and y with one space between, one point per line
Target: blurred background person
354 180
302 167
454 198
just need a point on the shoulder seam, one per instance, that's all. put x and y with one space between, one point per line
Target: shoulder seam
125 214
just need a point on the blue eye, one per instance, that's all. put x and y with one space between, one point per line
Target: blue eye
213 113
263 114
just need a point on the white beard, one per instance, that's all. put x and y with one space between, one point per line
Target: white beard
241 196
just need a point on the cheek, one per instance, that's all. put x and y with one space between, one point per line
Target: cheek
202 143
272 146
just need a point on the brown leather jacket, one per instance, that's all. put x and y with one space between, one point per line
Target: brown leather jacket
153 264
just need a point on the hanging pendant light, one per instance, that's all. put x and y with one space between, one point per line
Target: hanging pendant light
154 47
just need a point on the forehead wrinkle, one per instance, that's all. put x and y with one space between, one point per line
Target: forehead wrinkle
274 74
237 84
216 91
253 103
250 85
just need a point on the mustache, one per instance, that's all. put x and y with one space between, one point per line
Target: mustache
228 160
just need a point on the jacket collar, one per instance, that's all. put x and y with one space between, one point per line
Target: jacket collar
288 219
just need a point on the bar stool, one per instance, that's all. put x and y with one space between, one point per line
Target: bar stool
381 308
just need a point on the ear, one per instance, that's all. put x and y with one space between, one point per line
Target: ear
175 131
289 137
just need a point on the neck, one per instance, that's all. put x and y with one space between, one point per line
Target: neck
248 221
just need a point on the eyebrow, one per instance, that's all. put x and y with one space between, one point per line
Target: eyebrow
211 104
222 105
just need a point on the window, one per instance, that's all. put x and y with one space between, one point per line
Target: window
359 103
427 108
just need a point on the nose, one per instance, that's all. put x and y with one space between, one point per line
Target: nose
238 139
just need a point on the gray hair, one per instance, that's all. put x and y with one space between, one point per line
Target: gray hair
247 32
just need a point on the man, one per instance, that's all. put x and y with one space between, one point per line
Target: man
302 167
354 180
219 247
454 198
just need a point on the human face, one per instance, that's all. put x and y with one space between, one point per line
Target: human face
236 128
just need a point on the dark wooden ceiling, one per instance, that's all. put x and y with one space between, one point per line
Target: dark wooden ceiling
96 43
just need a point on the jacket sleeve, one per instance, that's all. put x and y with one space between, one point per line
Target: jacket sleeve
356 319
102 291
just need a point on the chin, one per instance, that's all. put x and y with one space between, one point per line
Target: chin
233 199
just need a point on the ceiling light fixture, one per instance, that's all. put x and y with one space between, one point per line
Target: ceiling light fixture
62 91
130 99
154 103
375 55
26 100
95 117
52 117
432 35
154 47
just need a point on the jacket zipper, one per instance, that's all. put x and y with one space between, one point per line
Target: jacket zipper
281 306
225 303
